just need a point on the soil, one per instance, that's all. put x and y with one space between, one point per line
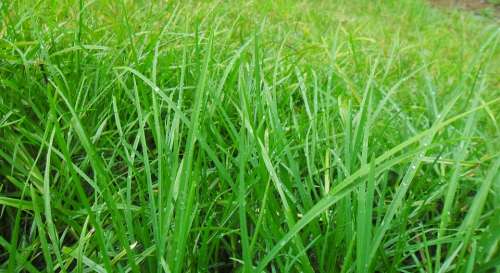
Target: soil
474 5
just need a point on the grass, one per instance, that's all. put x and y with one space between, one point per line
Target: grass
248 136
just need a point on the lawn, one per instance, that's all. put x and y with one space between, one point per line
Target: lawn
248 136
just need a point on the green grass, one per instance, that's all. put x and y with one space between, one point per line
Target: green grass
248 136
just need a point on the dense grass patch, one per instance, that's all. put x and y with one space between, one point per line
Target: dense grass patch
248 136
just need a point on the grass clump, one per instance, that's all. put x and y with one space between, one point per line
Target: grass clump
247 136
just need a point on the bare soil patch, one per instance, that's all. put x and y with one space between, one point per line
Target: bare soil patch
473 5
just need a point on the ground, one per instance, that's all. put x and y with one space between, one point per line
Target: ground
473 5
